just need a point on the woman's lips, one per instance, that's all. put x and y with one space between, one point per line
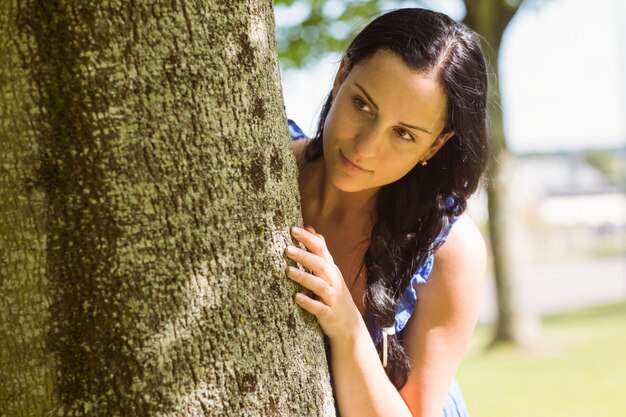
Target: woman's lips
351 166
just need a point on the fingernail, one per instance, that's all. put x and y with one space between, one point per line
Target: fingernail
290 270
296 231
290 250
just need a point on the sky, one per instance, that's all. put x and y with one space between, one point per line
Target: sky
562 75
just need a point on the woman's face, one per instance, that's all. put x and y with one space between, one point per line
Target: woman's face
385 118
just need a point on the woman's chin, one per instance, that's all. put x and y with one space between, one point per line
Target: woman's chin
349 185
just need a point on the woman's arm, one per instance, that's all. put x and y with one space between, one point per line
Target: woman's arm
361 383
435 341
445 317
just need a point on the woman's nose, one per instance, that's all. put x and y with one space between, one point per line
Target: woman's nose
368 141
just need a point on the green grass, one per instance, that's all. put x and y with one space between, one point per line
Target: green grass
579 370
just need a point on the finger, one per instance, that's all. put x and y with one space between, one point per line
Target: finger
317 308
312 230
308 260
310 282
313 241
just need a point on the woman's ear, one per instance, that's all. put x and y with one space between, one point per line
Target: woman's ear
438 143
342 73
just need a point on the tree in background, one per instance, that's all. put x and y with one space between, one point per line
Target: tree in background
325 28
516 322
147 188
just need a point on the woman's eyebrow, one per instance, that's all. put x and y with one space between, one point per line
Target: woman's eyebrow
376 107
367 95
415 127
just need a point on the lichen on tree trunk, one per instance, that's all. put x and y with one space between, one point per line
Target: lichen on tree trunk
151 184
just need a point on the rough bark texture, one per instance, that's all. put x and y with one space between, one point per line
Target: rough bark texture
147 188
517 322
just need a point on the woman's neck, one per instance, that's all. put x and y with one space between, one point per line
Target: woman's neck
328 204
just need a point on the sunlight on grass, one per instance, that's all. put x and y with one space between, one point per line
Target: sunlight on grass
579 371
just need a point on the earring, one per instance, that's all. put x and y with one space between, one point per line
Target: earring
424 162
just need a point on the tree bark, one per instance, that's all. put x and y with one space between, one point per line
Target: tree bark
148 187
517 322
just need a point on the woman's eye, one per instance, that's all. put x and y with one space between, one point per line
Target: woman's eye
404 134
360 104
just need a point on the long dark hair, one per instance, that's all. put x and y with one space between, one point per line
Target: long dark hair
413 211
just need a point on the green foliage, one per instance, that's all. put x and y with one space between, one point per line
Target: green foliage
318 27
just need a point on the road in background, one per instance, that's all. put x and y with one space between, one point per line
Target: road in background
566 285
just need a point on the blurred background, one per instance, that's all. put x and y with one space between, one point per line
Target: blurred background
561 67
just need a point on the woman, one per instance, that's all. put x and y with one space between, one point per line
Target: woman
401 145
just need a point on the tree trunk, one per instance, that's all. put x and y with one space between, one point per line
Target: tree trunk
517 321
147 188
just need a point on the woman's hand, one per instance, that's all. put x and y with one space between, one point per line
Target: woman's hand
333 305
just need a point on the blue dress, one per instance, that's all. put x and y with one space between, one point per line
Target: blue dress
455 404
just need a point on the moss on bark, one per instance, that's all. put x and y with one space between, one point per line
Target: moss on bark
160 187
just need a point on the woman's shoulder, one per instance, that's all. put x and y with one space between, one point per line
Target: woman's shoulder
464 252
299 141
298 147
455 268
451 299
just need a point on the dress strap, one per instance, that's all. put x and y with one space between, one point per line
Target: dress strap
294 130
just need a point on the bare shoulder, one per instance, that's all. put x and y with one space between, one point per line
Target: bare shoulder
456 283
464 250
298 147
